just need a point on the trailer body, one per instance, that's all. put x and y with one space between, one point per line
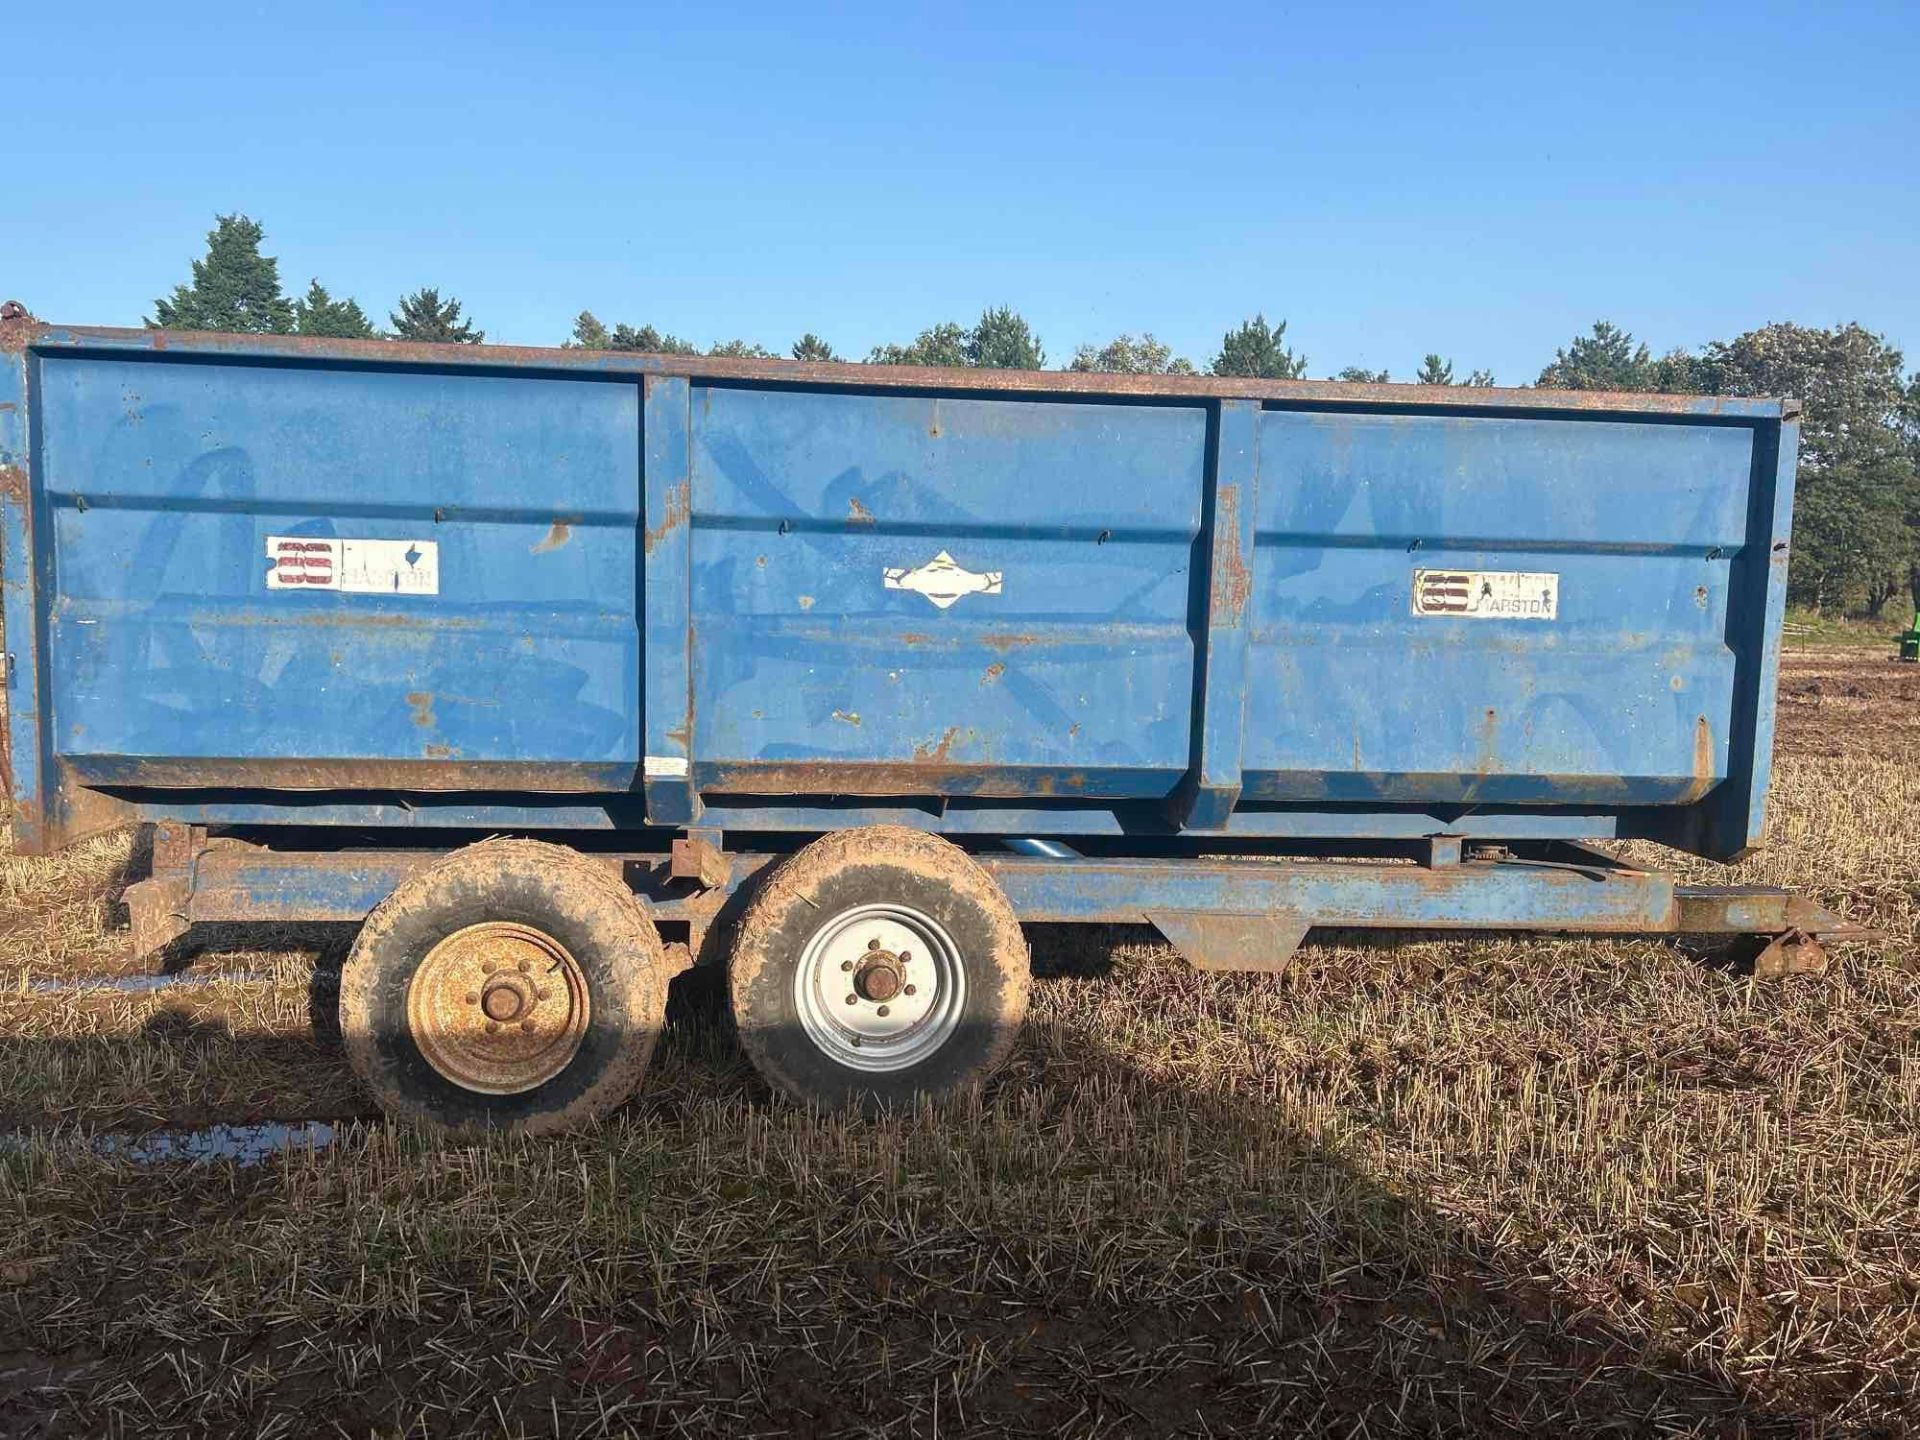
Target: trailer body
259 582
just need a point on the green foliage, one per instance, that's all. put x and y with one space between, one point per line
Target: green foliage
1910 422
1679 373
939 345
235 288
318 313
653 341
811 347
1124 355
1002 340
424 316
1360 375
1259 350
1607 359
1857 501
742 350
588 334
1434 370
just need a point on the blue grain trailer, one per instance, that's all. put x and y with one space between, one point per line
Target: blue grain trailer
563 670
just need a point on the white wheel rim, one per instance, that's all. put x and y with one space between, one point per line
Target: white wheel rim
841 988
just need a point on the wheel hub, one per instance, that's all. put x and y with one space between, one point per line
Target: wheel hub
879 977
498 1008
880 987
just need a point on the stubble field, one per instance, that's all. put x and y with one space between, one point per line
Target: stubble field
1496 1185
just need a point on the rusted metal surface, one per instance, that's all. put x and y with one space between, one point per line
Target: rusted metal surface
1792 953
1225 944
498 1008
18 329
697 857
908 377
1232 579
1754 910
1222 914
430 773
177 846
157 911
928 773
675 515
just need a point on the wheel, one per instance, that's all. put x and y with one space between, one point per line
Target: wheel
513 986
875 965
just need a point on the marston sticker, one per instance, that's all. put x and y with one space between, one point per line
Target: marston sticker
942 580
1487 594
355 567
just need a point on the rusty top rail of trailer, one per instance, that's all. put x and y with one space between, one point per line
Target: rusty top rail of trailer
20 331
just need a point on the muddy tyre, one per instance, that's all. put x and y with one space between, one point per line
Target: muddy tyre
513 986
876 965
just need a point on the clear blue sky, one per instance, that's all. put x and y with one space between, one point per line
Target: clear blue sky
1389 180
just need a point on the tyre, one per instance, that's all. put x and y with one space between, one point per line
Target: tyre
876 965
514 986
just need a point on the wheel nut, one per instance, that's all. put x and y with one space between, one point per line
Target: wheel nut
489 966
493 1027
526 1026
846 965
525 966
883 1010
540 995
909 990
473 998
874 944
853 999
905 955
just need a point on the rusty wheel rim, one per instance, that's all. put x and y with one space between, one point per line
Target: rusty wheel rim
498 1008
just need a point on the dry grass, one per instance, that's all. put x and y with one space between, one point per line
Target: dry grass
1500 1185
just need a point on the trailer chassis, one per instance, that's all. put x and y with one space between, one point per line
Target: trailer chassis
1236 912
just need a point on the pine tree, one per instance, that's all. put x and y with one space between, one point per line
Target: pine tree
1607 359
811 347
424 316
320 314
1360 375
650 340
1259 350
588 334
235 288
1004 341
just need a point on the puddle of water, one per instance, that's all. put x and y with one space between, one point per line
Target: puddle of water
242 1144
136 984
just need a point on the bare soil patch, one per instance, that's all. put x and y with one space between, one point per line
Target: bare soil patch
1845 703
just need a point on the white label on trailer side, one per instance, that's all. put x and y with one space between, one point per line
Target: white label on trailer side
1487 594
354 567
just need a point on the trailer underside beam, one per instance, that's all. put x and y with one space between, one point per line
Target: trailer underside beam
1223 913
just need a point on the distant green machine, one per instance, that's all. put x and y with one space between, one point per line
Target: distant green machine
1910 641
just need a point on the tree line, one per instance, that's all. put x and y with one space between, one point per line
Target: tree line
1857 510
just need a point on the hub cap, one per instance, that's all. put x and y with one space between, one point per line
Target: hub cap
498 1008
880 987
